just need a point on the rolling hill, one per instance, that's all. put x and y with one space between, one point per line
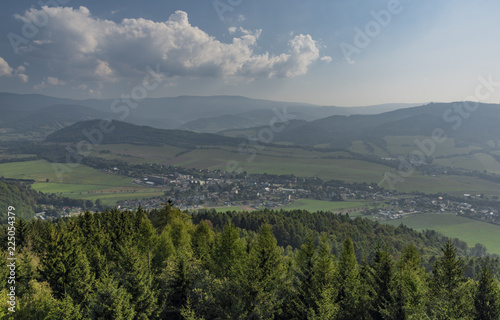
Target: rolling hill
338 131
122 132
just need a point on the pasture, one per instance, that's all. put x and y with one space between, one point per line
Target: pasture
81 182
451 225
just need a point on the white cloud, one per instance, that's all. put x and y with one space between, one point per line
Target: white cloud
49 81
55 82
5 69
350 61
326 59
77 45
20 74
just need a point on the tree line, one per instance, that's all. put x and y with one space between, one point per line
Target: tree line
167 264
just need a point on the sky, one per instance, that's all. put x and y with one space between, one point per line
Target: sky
324 52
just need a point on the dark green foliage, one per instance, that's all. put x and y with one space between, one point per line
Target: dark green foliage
487 296
64 265
265 275
159 265
229 254
451 296
203 241
110 301
292 228
133 274
383 276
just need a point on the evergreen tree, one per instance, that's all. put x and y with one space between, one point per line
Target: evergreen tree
65 267
176 282
202 241
265 275
348 282
228 258
382 284
110 301
487 296
134 276
450 293
163 251
25 271
66 309
305 301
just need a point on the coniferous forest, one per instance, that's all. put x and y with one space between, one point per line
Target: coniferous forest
167 264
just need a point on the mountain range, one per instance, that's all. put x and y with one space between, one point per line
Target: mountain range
474 128
34 116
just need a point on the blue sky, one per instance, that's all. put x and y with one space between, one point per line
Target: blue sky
328 52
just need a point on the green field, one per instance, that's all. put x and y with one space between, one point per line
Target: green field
359 147
451 184
81 182
320 205
406 144
477 161
111 198
468 230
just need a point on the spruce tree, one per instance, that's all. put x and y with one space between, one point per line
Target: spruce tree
410 287
228 258
383 281
451 296
133 275
487 296
265 275
348 282
110 301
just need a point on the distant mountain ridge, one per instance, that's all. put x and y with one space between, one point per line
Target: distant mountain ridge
195 113
122 132
480 126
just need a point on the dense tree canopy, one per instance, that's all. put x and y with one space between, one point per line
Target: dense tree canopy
166 264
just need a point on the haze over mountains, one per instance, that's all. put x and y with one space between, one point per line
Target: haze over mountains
479 128
36 116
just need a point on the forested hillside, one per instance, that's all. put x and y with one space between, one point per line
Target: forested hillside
17 194
165 264
25 200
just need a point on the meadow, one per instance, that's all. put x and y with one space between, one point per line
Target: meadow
451 225
81 182
321 205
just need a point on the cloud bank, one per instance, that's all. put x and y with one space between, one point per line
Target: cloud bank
79 46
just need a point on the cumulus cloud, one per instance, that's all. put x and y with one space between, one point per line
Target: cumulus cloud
77 45
5 69
20 73
49 81
326 59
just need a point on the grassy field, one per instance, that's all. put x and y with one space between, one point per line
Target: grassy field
477 161
81 182
137 154
359 147
320 205
310 205
406 144
468 230
111 198
454 185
